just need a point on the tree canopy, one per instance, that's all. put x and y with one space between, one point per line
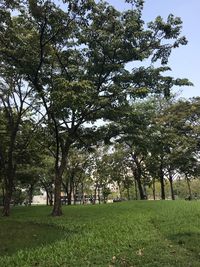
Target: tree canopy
73 60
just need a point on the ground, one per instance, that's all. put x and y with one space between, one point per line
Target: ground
137 233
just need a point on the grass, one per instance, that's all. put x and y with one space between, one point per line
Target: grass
137 234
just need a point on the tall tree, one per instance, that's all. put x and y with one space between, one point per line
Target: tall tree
75 58
15 104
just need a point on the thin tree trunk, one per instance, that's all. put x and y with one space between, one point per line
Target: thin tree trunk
189 187
145 192
154 189
99 197
82 193
162 183
51 198
136 189
70 190
74 193
120 191
95 194
171 186
47 198
3 195
128 193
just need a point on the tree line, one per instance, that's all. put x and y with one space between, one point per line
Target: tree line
64 72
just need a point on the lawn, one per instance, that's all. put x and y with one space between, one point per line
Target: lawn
137 233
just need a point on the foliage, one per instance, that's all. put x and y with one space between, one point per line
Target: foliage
74 61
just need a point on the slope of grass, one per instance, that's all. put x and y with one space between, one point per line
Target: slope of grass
138 233
16 235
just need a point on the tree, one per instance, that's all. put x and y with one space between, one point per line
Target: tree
76 174
15 104
182 120
75 58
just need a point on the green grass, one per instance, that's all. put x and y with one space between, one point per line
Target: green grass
138 233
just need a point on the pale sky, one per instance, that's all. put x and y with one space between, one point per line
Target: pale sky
184 61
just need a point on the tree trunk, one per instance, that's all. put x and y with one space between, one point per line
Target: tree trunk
95 194
189 187
47 199
99 197
8 196
51 198
128 193
74 193
120 191
140 188
162 183
3 195
9 177
137 173
59 170
136 190
30 195
82 193
69 198
171 186
57 210
154 189
70 190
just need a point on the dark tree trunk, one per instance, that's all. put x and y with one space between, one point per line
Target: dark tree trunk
59 169
9 174
8 196
57 210
30 194
136 189
99 197
140 188
9 185
49 193
128 193
7 200
47 199
74 193
69 198
95 194
137 173
154 189
162 183
82 193
171 186
51 198
3 195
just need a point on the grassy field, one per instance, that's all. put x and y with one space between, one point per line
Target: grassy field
138 233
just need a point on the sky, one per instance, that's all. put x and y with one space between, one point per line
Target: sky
184 61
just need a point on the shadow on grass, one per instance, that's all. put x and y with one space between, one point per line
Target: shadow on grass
16 235
188 240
